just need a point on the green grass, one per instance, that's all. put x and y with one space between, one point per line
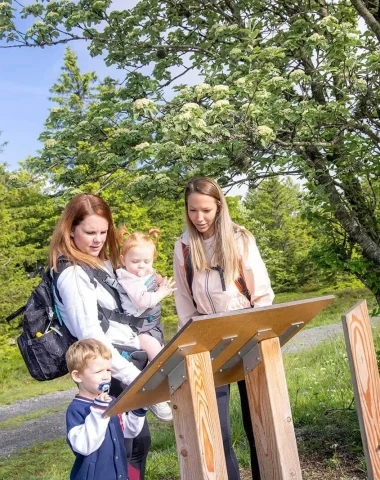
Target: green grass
44 461
344 300
15 378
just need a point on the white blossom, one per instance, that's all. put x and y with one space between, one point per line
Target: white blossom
142 146
221 88
297 74
265 131
221 104
191 106
142 103
316 36
50 142
185 116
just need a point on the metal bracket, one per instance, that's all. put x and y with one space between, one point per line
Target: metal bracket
221 346
169 367
246 349
177 376
289 332
251 359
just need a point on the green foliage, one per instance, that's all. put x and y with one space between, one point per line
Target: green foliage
302 100
27 217
274 215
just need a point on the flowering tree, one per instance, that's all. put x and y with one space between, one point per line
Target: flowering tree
288 88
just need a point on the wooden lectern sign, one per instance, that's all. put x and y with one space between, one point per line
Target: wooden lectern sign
213 350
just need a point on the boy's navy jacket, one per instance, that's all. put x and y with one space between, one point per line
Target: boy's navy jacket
108 461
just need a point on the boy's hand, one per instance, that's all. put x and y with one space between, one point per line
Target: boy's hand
104 397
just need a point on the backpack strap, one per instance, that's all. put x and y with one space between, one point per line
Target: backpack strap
189 271
105 315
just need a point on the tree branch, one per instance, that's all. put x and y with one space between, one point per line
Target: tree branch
367 16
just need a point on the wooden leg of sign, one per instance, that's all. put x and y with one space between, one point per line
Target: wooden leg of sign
197 424
365 378
271 416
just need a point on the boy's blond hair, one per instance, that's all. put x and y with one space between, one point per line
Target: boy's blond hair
80 352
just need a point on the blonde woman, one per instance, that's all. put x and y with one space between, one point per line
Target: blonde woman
218 268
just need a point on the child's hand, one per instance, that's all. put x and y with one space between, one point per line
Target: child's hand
104 397
167 287
159 279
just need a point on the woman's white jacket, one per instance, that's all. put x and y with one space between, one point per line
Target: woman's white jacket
79 311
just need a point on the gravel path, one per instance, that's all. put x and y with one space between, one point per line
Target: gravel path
52 426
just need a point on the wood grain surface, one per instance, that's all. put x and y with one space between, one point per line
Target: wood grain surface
196 423
205 332
366 382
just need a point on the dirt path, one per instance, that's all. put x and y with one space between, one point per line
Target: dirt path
52 426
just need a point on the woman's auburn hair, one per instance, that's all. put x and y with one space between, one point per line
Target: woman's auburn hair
74 213
226 253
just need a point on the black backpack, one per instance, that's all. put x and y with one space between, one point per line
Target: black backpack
45 338
44 341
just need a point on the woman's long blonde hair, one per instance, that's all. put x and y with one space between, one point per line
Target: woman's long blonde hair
225 246
74 213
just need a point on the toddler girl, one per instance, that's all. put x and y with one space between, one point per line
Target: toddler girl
143 290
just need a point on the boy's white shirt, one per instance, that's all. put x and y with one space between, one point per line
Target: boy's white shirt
79 312
138 298
88 437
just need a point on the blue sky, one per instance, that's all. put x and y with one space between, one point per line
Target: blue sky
26 75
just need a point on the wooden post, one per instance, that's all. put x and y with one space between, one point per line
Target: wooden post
196 423
366 382
271 416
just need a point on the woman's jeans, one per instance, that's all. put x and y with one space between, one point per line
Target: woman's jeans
223 401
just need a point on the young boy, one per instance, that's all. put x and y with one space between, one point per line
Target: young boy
97 442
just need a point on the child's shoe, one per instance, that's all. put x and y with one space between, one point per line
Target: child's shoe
162 411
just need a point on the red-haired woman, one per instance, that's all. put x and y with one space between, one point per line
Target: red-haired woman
85 239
